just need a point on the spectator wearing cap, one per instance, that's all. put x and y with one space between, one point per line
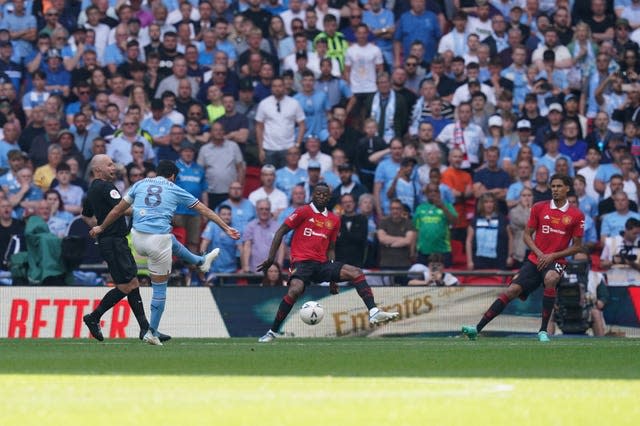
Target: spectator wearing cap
58 79
554 126
314 104
314 177
192 179
531 112
509 152
291 174
22 23
276 119
347 185
223 163
277 199
313 153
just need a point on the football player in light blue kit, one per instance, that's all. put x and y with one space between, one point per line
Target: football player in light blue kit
154 202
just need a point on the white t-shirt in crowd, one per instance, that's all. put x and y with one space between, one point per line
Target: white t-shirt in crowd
279 118
363 61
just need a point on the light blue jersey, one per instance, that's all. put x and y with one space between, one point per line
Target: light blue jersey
154 202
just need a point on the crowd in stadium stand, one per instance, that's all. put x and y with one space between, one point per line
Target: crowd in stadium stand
437 123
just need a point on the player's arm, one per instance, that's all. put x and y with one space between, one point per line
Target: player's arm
576 247
90 221
275 245
212 216
528 240
331 251
115 213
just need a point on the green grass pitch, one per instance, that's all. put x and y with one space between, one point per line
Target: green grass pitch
359 381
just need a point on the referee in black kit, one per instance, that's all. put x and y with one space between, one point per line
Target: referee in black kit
102 196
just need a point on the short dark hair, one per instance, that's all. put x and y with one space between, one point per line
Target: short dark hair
167 168
63 167
564 178
631 223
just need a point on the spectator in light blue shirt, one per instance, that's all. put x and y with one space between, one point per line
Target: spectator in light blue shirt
418 24
290 175
315 105
613 223
20 21
382 24
213 236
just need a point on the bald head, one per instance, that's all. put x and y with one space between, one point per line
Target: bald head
103 167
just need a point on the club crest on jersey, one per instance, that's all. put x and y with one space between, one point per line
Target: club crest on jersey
566 220
114 194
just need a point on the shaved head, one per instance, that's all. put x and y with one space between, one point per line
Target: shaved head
103 167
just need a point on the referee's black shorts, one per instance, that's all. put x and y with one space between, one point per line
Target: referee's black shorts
115 251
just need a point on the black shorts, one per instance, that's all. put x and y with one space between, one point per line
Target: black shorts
311 271
115 251
529 278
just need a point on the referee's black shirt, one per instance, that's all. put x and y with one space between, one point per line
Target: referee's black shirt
101 198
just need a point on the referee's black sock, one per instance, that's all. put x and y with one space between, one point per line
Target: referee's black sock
135 302
108 301
494 310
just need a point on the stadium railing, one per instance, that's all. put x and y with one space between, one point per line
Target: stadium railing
476 277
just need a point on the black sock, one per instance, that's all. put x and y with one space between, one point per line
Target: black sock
135 302
494 310
283 310
108 301
548 300
364 291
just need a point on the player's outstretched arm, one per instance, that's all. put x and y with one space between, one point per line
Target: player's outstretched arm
212 216
275 245
113 215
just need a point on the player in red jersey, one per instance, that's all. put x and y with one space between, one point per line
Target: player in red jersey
313 259
556 225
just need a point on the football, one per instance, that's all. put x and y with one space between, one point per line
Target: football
311 313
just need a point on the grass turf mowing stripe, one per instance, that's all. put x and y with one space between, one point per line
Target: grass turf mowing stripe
284 400
433 357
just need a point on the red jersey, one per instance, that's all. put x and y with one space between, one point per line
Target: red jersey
555 227
313 231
